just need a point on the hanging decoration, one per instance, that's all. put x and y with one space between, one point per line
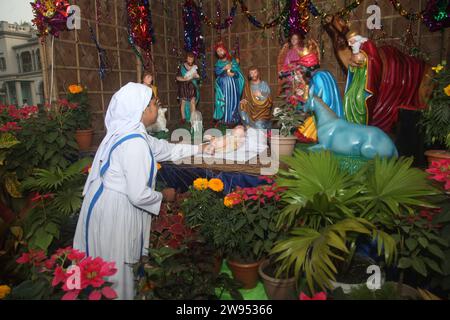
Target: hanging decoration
350 8
219 25
436 15
140 29
297 20
193 37
267 25
50 16
102 58
401 11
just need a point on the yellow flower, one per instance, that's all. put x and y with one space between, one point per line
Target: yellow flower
201 184
158 166
75 89
447 90
438 68
4 291
216 185
228 202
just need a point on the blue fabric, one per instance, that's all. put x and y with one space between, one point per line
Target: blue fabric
228 92
101 188
181 178
326 88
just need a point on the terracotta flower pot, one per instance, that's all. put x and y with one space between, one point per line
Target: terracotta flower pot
283 146
277 289
84 139
437 155
247 274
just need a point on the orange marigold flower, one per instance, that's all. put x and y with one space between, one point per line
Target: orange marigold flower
201 184
228 202
75 89
216 185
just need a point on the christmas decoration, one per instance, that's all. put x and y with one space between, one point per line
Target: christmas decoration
50 16
436 15
102 58
141 29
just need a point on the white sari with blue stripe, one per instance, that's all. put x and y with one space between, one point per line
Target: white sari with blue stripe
120 199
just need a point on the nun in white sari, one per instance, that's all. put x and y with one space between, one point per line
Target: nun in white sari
120 196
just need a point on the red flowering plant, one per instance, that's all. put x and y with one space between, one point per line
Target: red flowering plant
67 275
254 211
440 172
169 229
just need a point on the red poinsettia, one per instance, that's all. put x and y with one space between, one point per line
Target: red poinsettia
317 296
440 171
10 126
93 272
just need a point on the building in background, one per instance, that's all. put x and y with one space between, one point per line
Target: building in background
21 80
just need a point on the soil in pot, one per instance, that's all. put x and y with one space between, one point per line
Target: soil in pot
277 289
246 274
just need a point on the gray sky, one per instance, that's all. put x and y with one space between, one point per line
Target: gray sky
16 10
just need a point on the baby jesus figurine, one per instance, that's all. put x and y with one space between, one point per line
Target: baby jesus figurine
228 143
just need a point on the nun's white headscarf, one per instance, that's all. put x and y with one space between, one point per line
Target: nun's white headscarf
123 117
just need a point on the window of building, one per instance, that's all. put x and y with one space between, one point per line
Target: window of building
2 64
27 64
38 60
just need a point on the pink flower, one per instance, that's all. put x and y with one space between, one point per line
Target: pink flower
109 293
317 296
95 295
440 171
33 257
60 276
76 255
93 271
10 126
71 295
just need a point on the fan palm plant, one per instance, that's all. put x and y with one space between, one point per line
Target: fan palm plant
329 209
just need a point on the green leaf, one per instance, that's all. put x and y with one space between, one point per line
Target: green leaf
419 266
423 242
51 137
53 229
404 263
42 239
411 244
435 250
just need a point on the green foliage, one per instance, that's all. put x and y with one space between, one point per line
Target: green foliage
205 212
182 274
80 115
59 196
46 141
254 228
329 209
435 122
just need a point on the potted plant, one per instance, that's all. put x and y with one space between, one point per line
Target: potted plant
254 211
435 122
204 212
288 119
78 97
329 210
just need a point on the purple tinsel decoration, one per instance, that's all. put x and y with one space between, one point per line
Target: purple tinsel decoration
193 37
